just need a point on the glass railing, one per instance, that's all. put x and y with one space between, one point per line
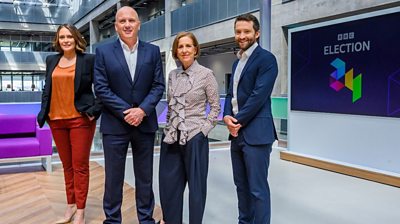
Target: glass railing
85 6
34 14
149 31
204 12
218 135
108 40
153 29
279 106
20 96
12 60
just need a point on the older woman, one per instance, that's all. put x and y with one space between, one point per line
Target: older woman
70 108
185 148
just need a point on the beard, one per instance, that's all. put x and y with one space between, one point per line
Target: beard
249 43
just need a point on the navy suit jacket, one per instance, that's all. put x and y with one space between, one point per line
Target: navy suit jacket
84 99
114 86
254 97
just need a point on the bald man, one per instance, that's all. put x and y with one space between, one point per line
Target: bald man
129 80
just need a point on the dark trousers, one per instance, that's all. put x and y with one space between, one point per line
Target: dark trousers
250 172
73 138
115 151
180 165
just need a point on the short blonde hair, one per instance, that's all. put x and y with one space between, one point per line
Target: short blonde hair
176 42
80 42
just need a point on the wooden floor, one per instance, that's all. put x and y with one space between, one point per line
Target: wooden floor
39 197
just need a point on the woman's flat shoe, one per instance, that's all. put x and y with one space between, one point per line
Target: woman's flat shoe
67 220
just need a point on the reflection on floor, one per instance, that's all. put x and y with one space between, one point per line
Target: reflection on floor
30 196
300 195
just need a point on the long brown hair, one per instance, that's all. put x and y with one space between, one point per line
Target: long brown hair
80 42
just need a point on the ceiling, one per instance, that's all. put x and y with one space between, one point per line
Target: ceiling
38 2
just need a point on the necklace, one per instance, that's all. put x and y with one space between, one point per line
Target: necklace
66 62
69 58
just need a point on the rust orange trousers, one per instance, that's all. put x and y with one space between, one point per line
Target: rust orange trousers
73 138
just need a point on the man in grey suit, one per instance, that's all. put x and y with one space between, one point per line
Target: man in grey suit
129 80
247 114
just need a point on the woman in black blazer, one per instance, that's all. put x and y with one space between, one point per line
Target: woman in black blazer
71 109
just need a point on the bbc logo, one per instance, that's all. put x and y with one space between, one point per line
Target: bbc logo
345 36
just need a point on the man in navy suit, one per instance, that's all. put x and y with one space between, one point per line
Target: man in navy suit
248 116
129 80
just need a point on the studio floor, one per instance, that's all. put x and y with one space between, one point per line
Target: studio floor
300 195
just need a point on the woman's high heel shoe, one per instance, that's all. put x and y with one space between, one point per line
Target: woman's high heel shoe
69 219
80 217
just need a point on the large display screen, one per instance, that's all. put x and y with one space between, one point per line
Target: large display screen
347 66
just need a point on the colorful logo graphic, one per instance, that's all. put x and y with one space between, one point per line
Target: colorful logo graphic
352 84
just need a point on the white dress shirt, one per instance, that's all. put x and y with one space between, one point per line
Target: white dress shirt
130 56
243 58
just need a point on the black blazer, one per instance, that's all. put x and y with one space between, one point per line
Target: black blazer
85 101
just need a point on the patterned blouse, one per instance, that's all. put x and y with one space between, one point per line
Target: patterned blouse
188 93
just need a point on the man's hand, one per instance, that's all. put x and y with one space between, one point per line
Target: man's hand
134 116
232 125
